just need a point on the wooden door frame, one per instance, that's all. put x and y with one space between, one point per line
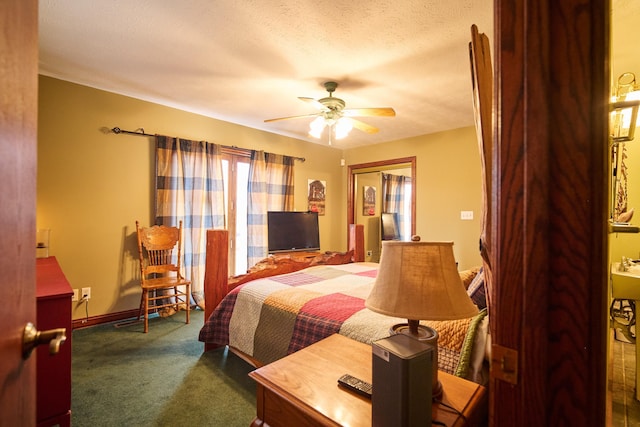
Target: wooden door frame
549 191
381 165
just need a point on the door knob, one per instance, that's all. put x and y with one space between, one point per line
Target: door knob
31 338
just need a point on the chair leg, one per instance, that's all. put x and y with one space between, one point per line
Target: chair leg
146 311
176 298
188 301
142 296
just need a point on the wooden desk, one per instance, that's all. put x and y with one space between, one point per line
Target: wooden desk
53 373
302 390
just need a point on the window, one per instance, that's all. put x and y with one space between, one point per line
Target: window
406 231
235 169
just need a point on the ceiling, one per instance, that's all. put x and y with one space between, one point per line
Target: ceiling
247 61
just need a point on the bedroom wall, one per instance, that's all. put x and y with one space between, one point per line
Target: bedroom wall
448 180
93 185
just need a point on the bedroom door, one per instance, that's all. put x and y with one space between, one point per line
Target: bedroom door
18 129
550 212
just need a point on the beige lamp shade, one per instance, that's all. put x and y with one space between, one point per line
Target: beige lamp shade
420 281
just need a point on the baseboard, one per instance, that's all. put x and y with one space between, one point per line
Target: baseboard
103 318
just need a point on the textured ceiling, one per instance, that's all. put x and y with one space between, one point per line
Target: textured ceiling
244 61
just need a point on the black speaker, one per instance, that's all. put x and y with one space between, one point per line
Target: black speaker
401 382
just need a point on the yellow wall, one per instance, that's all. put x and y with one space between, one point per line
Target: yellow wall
371 222
448 180
93 184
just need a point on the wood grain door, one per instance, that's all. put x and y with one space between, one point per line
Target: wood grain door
18 145
549 191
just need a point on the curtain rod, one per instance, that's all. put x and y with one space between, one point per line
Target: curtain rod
141 132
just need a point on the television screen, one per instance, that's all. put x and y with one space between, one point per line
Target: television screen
390 230
293 231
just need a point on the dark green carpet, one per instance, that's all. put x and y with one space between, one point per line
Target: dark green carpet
123 377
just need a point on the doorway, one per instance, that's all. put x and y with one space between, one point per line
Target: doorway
365 200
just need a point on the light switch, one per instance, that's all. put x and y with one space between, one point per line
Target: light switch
466 215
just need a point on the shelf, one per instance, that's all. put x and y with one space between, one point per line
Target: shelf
623 228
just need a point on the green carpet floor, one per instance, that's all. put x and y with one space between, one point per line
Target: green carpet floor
123 377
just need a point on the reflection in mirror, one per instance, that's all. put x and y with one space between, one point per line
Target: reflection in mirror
622 124
378 190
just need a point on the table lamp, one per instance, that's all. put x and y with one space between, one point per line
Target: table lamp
420 281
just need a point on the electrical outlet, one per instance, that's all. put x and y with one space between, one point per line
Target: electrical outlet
369 253
86 293
466 215
75 296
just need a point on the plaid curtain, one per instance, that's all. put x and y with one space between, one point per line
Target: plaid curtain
393 197
270 189
189 187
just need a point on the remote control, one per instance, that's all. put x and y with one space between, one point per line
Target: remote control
356 385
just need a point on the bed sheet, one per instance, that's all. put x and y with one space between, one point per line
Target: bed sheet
271 317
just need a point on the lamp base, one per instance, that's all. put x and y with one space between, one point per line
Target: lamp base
429 336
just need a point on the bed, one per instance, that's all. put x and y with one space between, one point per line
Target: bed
288 302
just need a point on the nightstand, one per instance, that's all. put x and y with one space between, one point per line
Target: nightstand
302 390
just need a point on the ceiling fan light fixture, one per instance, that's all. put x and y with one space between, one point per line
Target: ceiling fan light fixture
333 114
343 126
316 127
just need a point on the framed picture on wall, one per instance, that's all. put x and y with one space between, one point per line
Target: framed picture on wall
317 195
369 201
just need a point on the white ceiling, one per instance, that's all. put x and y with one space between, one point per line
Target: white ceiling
244 61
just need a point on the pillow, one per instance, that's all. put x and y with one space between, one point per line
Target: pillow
478 360
472 353
476 291
457 344
468 275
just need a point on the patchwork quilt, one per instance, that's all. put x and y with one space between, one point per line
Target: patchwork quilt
271 317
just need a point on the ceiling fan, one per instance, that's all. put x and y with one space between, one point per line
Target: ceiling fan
338 119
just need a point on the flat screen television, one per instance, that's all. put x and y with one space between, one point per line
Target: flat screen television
390 230
293 231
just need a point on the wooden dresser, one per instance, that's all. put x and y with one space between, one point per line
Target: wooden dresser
53 375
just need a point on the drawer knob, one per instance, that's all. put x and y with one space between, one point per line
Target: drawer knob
31 338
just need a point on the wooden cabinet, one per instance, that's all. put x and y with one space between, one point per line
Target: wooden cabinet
302 390
53 375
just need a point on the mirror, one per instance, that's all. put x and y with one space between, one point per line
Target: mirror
366 200
622 124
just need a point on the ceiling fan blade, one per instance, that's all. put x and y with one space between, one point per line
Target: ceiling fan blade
371 112
363 126
291 117
320 106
